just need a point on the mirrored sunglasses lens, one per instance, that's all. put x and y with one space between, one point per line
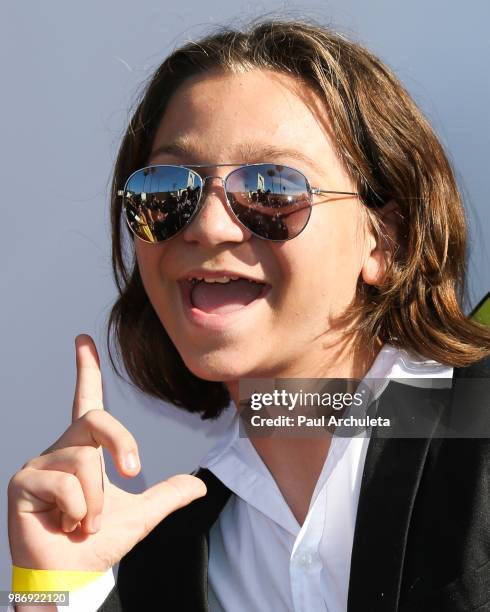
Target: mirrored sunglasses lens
270 200
160 200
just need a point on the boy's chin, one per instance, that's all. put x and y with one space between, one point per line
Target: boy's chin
219 370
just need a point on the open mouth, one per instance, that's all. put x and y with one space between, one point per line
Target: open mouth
221 295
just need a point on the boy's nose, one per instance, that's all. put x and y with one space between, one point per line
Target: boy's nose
214 222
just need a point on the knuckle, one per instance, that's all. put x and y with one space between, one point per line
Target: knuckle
179 496
86 455
79 512
15 484
93 416
30 463
67 484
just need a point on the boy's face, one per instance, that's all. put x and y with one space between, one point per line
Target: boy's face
294 330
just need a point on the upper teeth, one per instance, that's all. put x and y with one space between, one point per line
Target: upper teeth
219 279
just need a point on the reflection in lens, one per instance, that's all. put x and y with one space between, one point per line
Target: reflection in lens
160 200
270 200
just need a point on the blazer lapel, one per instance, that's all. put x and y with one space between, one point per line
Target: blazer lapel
392 473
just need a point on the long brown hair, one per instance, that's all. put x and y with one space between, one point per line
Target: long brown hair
390 151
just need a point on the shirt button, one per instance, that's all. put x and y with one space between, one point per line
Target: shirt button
305 559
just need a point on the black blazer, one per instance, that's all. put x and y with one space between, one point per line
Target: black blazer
422 533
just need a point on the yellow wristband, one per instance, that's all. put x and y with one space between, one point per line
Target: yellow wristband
27 579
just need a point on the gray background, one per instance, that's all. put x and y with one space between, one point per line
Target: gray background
70 73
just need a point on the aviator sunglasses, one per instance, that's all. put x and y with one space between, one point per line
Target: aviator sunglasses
270 200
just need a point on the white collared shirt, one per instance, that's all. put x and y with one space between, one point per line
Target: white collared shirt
260 558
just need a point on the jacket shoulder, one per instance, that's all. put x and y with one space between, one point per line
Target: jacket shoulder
478 369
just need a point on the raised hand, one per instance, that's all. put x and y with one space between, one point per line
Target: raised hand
63 512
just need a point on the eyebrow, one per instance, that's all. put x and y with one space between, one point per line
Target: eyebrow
247 152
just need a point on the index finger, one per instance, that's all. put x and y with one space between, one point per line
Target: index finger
88 390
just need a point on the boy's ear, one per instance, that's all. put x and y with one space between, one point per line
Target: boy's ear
379 249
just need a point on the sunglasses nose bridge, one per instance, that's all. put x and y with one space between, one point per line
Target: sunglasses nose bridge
211 176
220 178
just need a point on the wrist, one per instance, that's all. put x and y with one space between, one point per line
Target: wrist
29 579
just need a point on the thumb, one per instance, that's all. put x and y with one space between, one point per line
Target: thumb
167 496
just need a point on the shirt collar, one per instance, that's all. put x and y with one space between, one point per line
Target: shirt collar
234 460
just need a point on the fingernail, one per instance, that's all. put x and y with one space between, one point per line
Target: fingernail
96 523
131 461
